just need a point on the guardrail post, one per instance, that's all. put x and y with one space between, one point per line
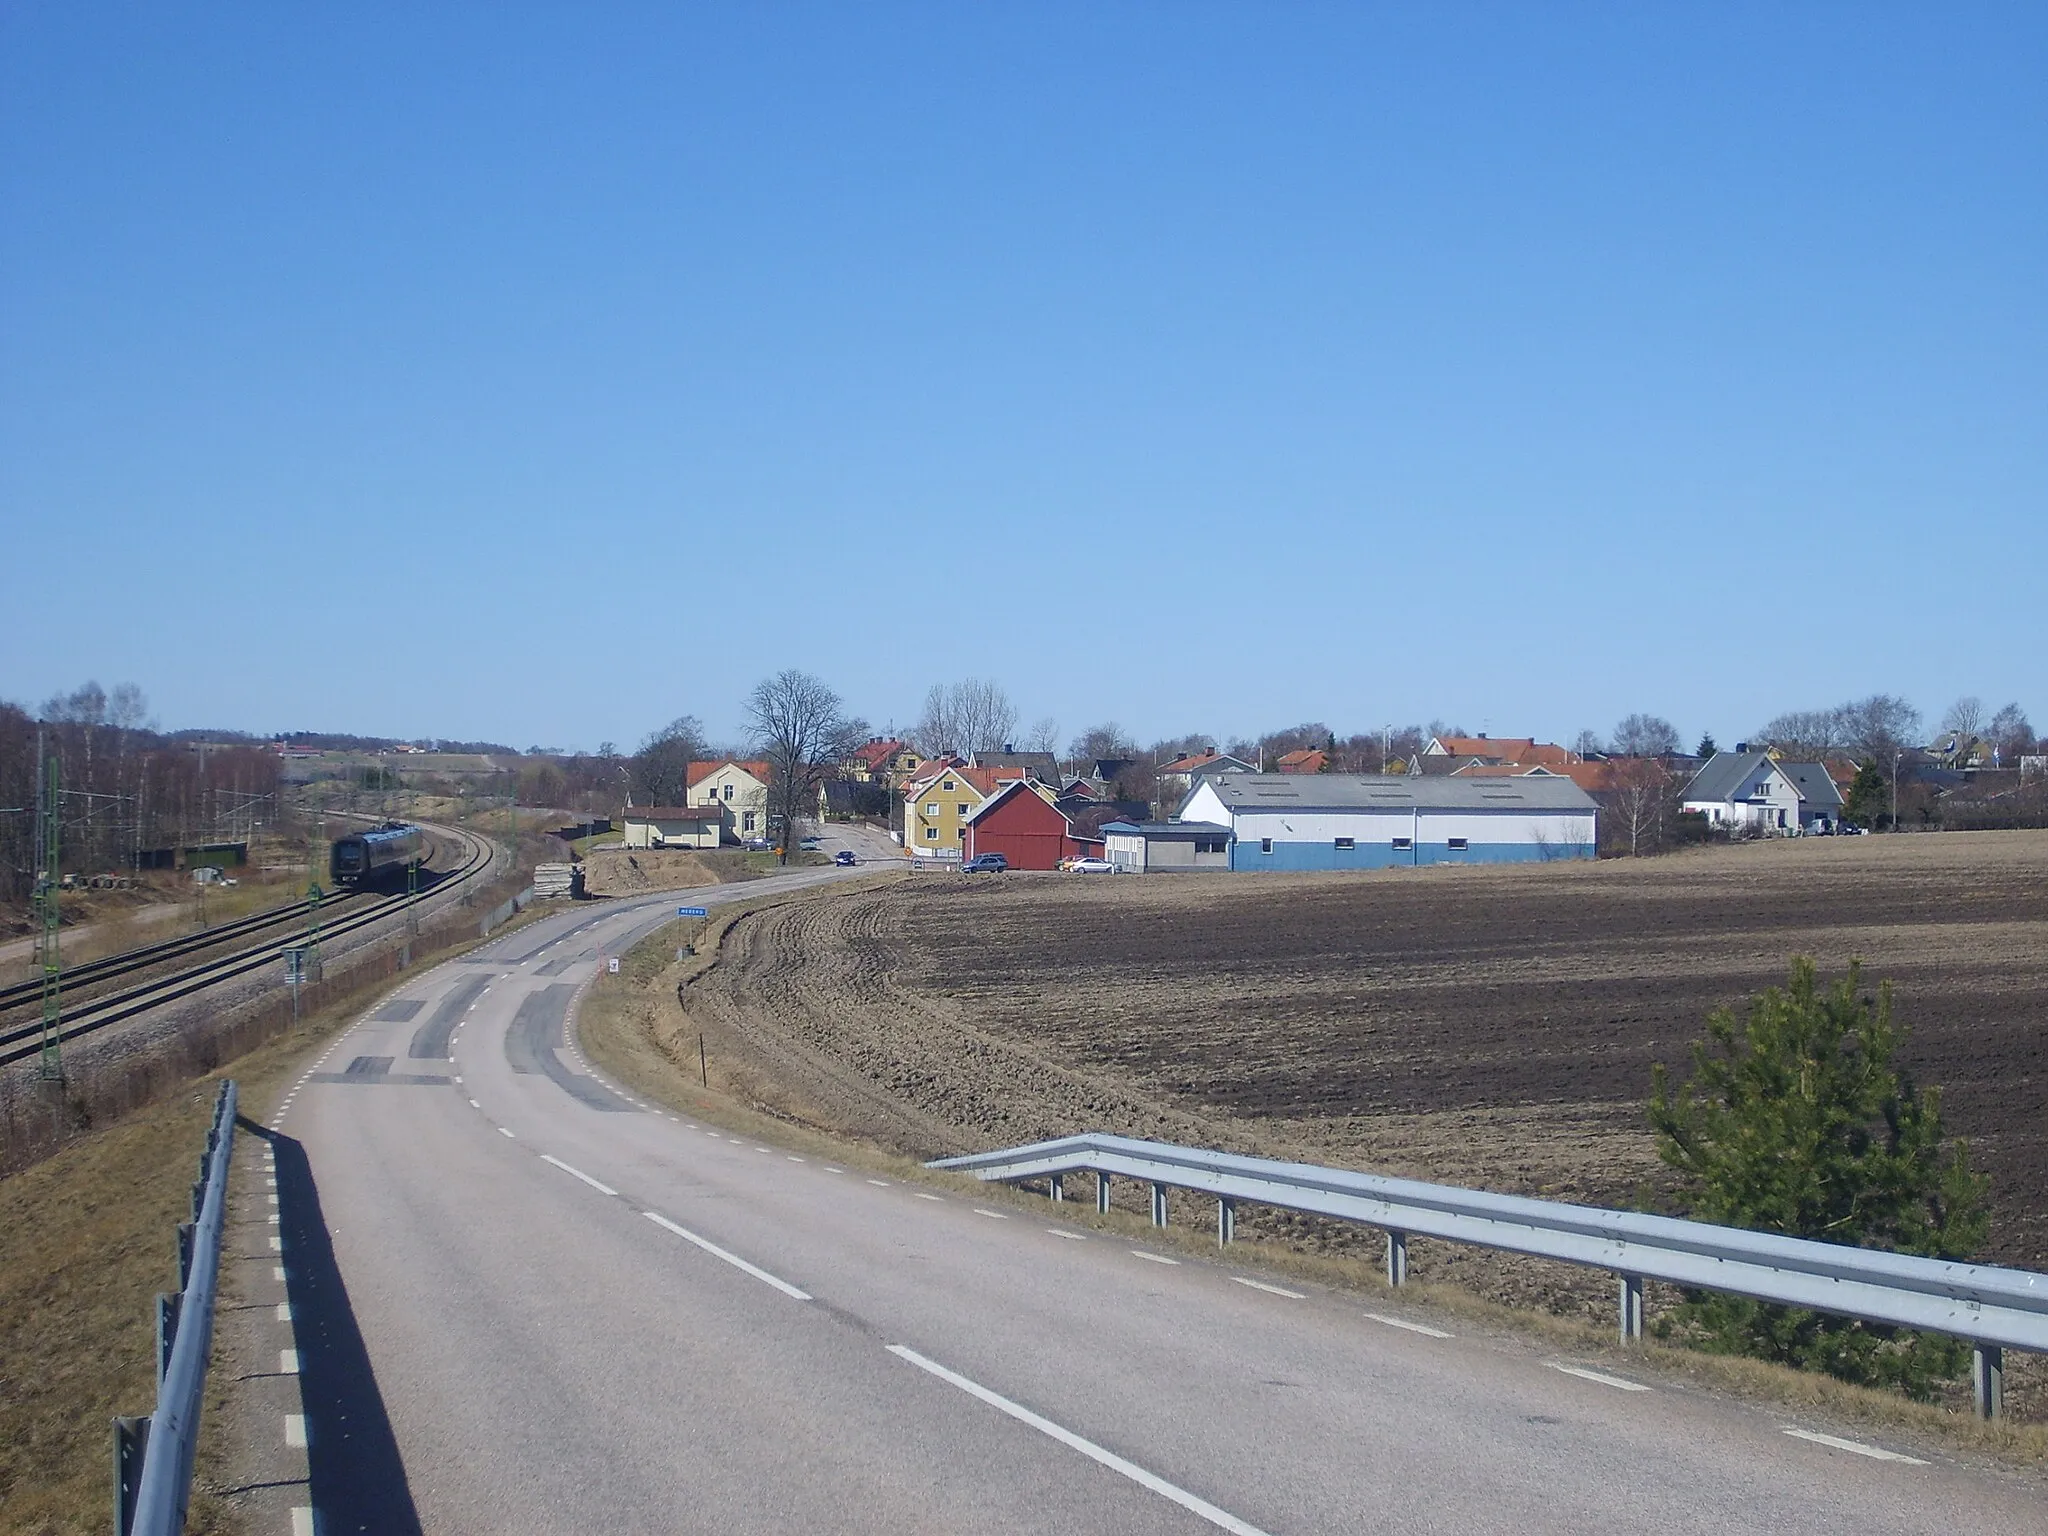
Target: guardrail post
131 1438
167 1308
1631 1309
1158 1205
1987 1381
1102 1194
184 1254
1397 1258
1056 1188
1226 1221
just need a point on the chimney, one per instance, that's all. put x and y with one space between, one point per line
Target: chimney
1008 748
1741 746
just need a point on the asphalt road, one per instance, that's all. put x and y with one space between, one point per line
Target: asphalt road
521 1300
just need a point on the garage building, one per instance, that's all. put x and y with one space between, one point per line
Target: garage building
1165 847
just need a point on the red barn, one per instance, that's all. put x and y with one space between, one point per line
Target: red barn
1027 829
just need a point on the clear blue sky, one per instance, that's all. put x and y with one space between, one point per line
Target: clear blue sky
540 373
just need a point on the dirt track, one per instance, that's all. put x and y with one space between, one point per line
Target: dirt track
1484 1026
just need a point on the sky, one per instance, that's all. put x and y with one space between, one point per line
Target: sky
541 373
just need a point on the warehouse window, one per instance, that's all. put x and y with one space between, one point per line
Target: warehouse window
1404 842
1265 845
1344 844
1459 845
1212 848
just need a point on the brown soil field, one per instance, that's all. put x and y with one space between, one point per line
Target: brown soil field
1488 1026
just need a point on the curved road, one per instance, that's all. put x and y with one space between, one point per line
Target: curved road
521 1300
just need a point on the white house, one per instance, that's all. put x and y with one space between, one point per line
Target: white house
1371 821
673 826
1755 790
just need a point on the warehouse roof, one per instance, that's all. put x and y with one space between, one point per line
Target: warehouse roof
1169 831
1243 792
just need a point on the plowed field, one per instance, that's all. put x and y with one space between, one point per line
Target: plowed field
1491 1026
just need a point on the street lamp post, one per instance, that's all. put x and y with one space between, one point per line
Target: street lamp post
1896 755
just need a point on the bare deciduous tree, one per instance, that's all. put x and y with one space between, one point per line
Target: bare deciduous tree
1964 718
1880 725
801 729
2011 733
1588 743
968 716
1639 802
660 770
1642 735
1044 735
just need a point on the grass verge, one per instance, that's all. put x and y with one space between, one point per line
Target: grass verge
618 1023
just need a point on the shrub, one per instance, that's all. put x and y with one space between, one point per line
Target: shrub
1796 1121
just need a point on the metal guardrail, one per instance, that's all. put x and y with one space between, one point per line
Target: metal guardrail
1989 1307
153 1453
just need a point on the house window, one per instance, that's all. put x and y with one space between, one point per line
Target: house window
931 834
747 821
932 809
1265 845
947 785
1458 844
728 791
1344 844
963 810
1404 842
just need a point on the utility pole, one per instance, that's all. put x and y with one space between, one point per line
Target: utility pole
313 851
49 962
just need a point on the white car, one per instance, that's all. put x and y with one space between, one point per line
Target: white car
1091 867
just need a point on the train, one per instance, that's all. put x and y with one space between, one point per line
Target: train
380 854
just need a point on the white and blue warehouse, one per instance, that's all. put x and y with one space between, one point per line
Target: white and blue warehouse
1369 821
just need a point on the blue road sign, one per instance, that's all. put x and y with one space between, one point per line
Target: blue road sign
693 911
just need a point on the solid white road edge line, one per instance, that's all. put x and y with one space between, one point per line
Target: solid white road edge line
731 1258
1401 1322
1271 1290
578 1173
1606 1381
1220 1518
1875 1453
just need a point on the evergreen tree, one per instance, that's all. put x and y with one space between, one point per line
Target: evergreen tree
1706 748
1796 1121
1864 804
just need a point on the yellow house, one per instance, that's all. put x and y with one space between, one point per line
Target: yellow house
937 803
740 789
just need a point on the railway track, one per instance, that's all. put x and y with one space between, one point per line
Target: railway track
19 1042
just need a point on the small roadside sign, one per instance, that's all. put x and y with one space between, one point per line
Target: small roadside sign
693 911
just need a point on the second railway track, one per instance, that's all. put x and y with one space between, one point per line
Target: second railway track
21 1041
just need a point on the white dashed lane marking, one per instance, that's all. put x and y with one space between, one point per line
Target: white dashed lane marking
1835 1442
1200 1507
578 1173
733 1259
1601 1377
1402 1322
1271 1290
1152 1258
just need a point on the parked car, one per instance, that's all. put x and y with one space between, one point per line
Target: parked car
844 856
809 844
1090 867
759 845
985 864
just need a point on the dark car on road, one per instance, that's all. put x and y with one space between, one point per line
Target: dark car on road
985 864
844 856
